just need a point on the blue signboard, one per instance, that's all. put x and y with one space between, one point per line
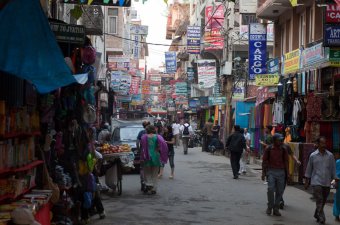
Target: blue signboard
193 39
190 73
332 35
273 66
257 49
170 62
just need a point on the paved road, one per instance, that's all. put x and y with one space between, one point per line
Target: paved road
203 192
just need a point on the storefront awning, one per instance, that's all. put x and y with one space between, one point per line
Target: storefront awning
29 49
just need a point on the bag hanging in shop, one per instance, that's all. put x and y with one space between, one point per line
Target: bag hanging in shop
89 113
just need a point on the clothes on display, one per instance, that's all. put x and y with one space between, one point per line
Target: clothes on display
296 109
313 107
278 112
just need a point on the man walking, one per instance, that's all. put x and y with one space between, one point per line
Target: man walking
235 144
175 130
275 167
319 173
187 131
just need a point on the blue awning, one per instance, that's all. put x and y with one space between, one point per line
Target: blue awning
28 48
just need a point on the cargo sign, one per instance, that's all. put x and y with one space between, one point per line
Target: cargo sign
193 39
217 101
267 80
68 33
291 61
332 13
332 35
257 49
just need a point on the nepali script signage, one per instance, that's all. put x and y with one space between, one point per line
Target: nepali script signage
206 69
332 13
332 35
291 61
257 49
193 39
170 62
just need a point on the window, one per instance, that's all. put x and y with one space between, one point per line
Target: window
248 18
112 21
302 30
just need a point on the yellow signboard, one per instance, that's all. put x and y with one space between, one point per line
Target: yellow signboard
294 2
292 61
267 79
335 63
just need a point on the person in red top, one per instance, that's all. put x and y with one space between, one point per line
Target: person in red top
274 167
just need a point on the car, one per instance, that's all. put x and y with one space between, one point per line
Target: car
127 134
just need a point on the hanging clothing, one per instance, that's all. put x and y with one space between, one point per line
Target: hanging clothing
278 113
303 83
313 107
296 109
288 136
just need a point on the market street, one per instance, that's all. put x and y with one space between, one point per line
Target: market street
203 192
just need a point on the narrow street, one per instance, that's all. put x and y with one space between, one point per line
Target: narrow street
203 192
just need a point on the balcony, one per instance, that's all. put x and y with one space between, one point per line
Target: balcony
272 9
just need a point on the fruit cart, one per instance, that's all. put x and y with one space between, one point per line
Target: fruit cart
116 158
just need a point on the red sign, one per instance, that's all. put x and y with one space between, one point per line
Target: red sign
213 38
134 88
333 13
146 87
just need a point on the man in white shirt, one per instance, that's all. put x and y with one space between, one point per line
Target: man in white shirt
175 131
186 131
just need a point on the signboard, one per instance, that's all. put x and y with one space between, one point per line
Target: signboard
291 61
118 3
139 29
170 62
194 102
245 28
136 47
116 62
334 57
248 6
239 90
166 80
124 98
204 102
135 82
332 35
206 69
68 33
312 55
181 88
217 101
146 87
217 89
93 21
273 66
257 49
332 13
213 38
190 73
263 94
115 80
120 82
267 79
193 39
137 100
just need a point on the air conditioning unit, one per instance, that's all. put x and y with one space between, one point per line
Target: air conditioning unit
227 68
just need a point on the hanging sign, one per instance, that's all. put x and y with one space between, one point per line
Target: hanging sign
257 49
206 69
134 89
194 39
181 88
146 87
239 90
332 13
273 66
267 80
334 57
332 35
116 62
217 101
170 62
291 62
213 39
93 21
190 73
139 29
68 33
312 55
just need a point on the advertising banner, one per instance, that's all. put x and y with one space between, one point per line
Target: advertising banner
291 61
267 80
273 66
190 73
206 69
68 33
146 87
117 3
170 62
181 88
115 80
213 38
239 90
194 39
312 55
136 47
332 13
139 29
137 99
166 80
125 83
332 35
194 102
245 28
204 102
217 101
135 82
116 62
257 49
263 94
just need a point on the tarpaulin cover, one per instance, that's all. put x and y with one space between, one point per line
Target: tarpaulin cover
28 48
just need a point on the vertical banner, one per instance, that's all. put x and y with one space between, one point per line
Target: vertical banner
190 73
194 39
136 47
181 88
170 62
257 49
134 89
145 87
206 69
212 36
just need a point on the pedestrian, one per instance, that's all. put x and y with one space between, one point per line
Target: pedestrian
104 135
336 205
235 144
248 142
186 131
138 145
243 169
170 140
320 172
154 151
215 139
275 168
159 125
207 134
175 129
267 139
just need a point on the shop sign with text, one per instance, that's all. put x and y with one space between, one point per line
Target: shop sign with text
332 13
332 35
206 69
273 66
194 39
291 62
217 101
238 93
181 88
334 57
118 62
312 55
267 80
213 39
190 73
68 33
257 49
170 62
139 29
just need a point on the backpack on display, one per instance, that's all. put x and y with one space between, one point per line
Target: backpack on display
186 130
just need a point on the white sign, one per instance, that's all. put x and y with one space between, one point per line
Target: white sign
206 69
244 32
139 29
248 6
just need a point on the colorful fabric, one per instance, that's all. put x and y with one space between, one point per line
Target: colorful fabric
163 149
293 168
313 107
